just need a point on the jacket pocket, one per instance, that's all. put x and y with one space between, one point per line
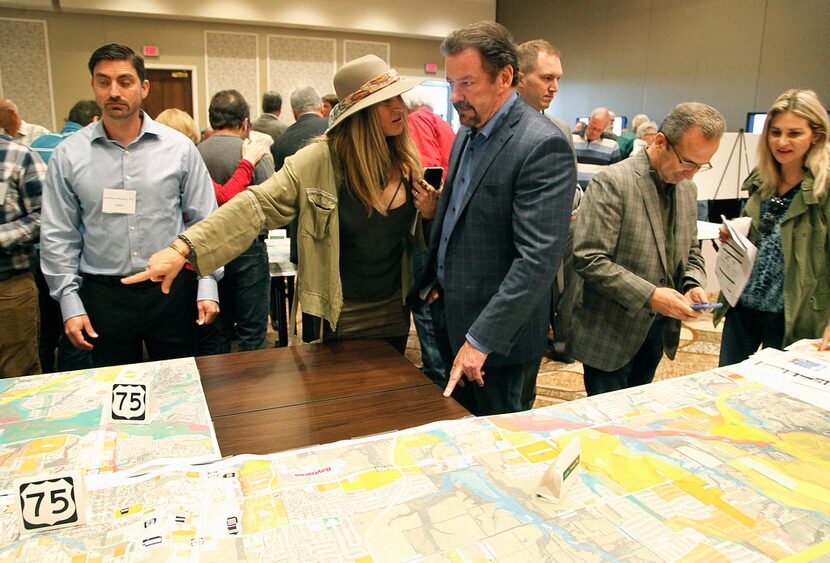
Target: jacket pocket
320 207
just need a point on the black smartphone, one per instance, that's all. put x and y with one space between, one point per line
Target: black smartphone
433 175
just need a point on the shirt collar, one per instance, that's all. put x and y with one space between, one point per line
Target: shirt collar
148 126
491 125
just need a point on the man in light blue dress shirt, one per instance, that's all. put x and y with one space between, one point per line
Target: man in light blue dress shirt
116 193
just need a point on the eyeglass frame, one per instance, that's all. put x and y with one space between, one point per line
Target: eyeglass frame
688 164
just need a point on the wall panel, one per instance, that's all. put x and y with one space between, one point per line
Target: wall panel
25 68
232 61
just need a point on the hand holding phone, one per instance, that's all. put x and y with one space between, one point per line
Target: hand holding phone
701 306
433 176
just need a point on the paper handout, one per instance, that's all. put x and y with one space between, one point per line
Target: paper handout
735 260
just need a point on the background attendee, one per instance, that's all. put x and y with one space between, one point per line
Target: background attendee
636 249
432 134
592 146
500 229
646 133
609 129
69 358
329 101
787 297
154 185
22 174
244 289
268 121
244 173
308 124
626 139
13 125
82 114
540 70
354 267
434 137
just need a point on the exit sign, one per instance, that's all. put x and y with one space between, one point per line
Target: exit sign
150 50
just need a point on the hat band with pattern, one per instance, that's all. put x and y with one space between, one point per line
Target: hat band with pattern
378 83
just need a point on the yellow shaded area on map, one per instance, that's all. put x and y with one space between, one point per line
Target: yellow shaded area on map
808 472
810 554
723 522
325 487
262 513
366 559
517 438
257 475
26 392
811 482
109 373
538 452
371 480
402 455
131 510
39 447
707 494
606 454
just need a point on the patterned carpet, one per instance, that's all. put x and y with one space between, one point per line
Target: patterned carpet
558 382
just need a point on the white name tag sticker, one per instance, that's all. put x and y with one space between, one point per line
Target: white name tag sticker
119 201
560 474
49 503
128 403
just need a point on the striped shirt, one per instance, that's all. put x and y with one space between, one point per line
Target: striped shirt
601 151
22 175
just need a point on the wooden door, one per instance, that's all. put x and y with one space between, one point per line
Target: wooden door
169 88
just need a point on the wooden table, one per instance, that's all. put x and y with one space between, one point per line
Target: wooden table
282 398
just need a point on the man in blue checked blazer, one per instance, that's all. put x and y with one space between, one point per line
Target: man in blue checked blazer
636 249
500 229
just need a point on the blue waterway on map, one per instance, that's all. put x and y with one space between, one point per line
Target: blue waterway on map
475 481
81 423
444 436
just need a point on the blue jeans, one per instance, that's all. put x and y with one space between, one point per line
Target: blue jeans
745 329
425 326
243 301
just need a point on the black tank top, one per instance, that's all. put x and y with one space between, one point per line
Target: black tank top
371 247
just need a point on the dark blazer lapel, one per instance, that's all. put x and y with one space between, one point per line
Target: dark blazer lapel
655 217
500 136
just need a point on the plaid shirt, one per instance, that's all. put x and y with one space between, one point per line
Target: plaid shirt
22 175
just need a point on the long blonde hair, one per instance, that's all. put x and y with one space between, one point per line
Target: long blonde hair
367 155
805 104
181 122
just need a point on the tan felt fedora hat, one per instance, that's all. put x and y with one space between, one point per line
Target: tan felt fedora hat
363 82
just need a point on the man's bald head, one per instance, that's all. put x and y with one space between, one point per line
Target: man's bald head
600 118
9 118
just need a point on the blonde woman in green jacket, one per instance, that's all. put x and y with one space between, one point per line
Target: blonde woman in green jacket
357 191
788 294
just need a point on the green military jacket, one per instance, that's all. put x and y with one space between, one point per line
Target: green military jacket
806 248
308 185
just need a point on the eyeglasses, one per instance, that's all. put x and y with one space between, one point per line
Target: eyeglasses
773 209
688 164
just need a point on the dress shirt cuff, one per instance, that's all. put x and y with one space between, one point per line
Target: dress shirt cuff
72 306
207 290
478 345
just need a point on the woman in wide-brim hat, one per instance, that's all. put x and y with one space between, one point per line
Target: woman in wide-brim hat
356 190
